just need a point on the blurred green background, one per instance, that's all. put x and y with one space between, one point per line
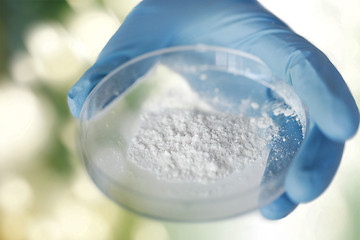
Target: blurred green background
45 193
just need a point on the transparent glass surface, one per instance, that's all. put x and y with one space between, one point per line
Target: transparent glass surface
225 80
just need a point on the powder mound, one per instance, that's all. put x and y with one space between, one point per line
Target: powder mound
197 146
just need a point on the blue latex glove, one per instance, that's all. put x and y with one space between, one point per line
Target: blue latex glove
245 25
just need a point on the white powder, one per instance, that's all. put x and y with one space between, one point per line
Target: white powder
180 138
192 145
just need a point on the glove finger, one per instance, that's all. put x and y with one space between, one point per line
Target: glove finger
314 167
324 92
278 209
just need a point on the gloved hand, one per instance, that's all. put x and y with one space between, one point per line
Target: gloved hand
245 25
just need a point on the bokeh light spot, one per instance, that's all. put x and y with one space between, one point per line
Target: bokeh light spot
44 229
24 126
150 231
121 8
91 30
54 58
22 69
79 222
15 194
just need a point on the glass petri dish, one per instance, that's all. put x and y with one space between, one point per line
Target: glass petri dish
217 80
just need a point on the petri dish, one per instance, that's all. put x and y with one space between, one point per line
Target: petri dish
183 79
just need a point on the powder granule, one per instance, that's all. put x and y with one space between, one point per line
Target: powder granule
192 145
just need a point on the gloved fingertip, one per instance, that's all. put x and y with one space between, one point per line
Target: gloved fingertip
278 209
73 107
301 188
76 97
313 168
352 124
346 124
323 90
307 185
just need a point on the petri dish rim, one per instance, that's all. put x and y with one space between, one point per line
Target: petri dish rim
196 48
